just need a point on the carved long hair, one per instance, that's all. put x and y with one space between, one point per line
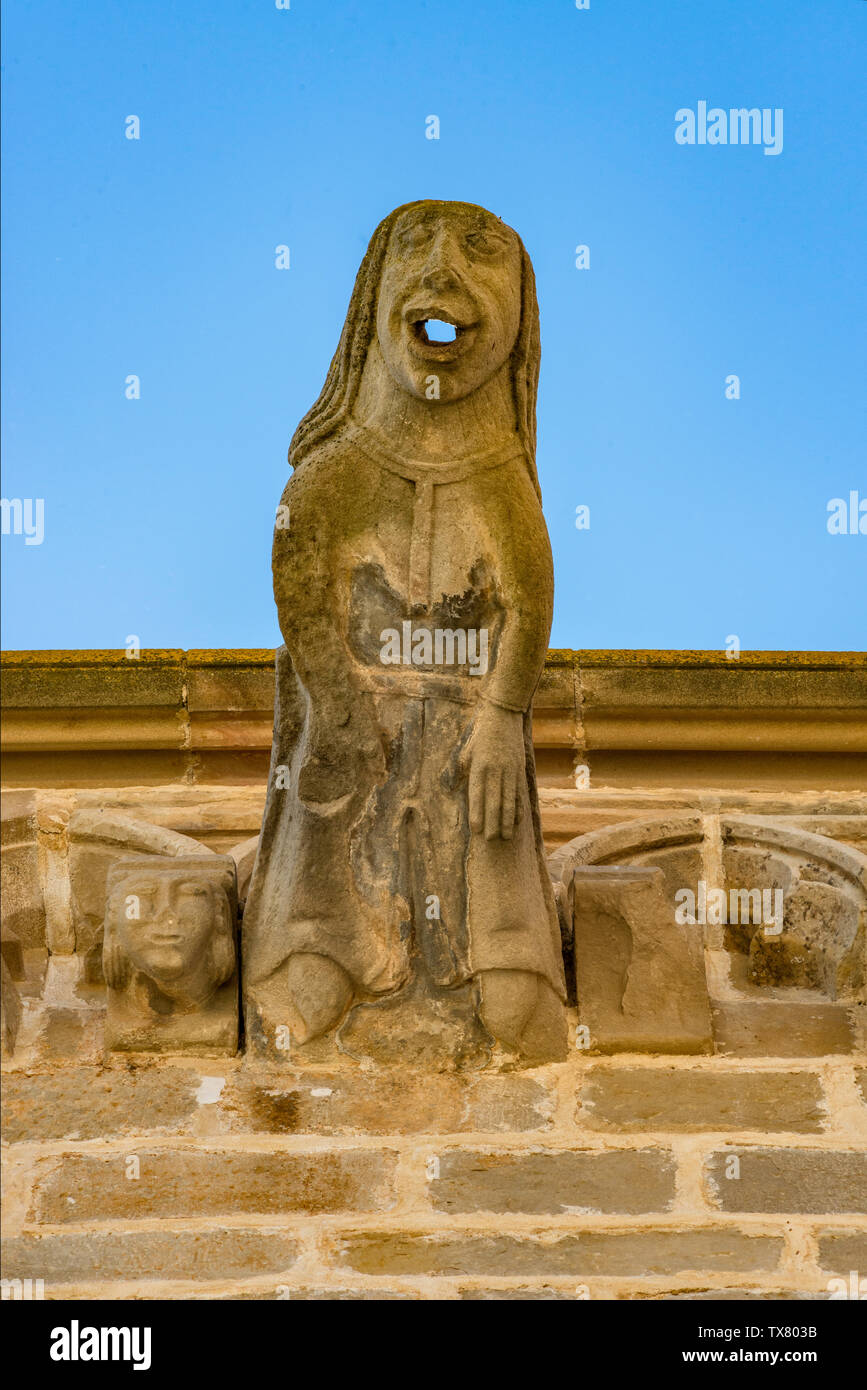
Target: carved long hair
337 397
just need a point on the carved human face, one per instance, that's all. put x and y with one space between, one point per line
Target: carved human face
165 923
458 264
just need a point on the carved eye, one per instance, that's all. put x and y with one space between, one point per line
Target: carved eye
194 890
413 236
484 243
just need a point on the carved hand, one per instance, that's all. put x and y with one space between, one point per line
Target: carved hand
494 759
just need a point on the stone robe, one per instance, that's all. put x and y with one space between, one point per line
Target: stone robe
366 839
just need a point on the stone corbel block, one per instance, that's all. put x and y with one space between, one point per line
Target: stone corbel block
640 975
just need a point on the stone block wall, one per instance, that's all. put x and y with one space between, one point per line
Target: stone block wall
615 1178
736 1175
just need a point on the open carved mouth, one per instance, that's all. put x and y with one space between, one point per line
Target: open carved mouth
436 329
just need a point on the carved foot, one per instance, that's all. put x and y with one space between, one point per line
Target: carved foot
508 999
523 1013
321 992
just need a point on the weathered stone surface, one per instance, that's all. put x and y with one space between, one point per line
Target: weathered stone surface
521 1295
816 858
418 1025
636 1253
12 953
639 974
384 1103
289 1293
622 841
93 1103
195 1182
841 1251
236 695
675 1099
244 855
21 890
148 1255
401 860
789 1180
747 868
625 1180
681 866
31 984
170 955
861 1082
824 886
772 1292
302 1295
819 946
42 680
10 1010
70 1035
777 1028
277 1290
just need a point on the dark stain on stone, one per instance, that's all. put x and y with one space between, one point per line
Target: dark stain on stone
275 1113
63 1033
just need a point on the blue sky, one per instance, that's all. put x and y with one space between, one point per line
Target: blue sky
262 127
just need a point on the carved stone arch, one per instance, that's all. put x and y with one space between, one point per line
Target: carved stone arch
671 843
821 947
823 887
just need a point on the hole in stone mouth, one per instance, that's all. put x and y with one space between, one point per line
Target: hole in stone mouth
438 331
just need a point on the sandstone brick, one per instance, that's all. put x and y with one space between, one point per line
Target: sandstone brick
188 1183
679 1099
627 1180
841 1251
773 1292
148 1255
522 1295
861 1082
230 690
778 1029
93 1103
385 1102
347 1296
582 1254
791 1180
273 1292
285 1294
155 680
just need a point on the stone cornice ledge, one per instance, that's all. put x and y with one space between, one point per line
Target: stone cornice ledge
221 701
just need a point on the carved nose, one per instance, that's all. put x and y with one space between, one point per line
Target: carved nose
439 278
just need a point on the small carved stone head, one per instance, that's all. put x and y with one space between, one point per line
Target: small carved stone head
169 944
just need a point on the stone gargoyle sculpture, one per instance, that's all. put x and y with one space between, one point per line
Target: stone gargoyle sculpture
401 854
169 955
